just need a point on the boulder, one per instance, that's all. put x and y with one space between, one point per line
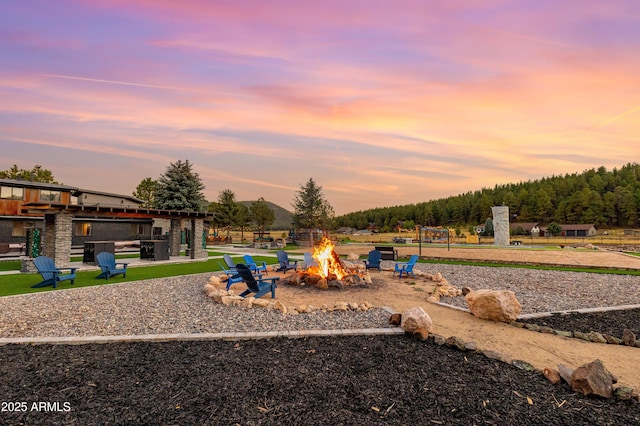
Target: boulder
552 375
293 278
209 288
623 393
596 337
414 318
262 303
247 302
565 372
312 279
421 334
279 306
341 306
455 342
494 305
628 337
395 319
353 256
231 300
215 281
593 379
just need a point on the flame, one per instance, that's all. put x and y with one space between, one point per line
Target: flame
328 260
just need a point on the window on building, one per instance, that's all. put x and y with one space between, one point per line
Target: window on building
47 195
137 229
83 229
11 193
156 231
18 229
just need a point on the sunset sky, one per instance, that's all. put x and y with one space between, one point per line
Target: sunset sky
381 102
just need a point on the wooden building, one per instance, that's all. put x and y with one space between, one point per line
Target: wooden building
16 221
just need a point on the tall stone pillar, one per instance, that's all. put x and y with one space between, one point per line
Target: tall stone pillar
58 229
196 243
174 237
500 225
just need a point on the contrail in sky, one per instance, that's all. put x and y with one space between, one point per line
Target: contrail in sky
616 117
151 86
124 83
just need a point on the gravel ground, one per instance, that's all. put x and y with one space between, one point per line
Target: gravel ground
543 291
177 305
355 380
159 306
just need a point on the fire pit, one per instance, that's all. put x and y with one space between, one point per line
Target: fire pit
330 271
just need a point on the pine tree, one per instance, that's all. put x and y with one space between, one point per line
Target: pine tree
226 210
180 188
311 209
37 174
146 191
261 214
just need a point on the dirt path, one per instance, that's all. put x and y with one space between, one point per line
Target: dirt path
540 350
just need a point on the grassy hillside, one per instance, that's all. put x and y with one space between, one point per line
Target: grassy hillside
283 216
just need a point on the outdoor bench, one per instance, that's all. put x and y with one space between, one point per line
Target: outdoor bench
388 253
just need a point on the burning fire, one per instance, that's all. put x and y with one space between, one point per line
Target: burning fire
328 261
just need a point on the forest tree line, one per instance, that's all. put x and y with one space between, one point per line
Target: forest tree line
607 199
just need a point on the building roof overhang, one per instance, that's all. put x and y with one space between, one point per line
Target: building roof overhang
111 211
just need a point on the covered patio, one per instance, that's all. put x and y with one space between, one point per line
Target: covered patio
58 228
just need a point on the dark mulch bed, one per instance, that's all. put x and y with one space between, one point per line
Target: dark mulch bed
610 322
337 380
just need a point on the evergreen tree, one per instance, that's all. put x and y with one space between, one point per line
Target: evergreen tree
146 191
261 214
242 219
488 228
554 229
180 188
311 209
37 174
226 210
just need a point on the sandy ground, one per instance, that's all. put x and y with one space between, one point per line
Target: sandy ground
540 350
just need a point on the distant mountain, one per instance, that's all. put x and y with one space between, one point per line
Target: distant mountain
283 216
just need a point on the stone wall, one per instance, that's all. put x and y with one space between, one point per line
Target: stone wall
57 238
197 229
174 237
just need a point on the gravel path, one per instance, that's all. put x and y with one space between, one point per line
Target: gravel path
159 306
540 290
178 305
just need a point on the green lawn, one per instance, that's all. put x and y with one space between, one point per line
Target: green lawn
21 283
14 284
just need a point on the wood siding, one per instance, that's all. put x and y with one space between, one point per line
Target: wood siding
12 207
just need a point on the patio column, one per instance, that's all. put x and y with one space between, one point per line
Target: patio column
196 243
174 237
57 237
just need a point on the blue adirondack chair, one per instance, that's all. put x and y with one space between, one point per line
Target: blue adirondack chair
309 261
50 274
251 264
109 266
283 260
406 267
231 273
231 265
374 259
259 286
232 279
